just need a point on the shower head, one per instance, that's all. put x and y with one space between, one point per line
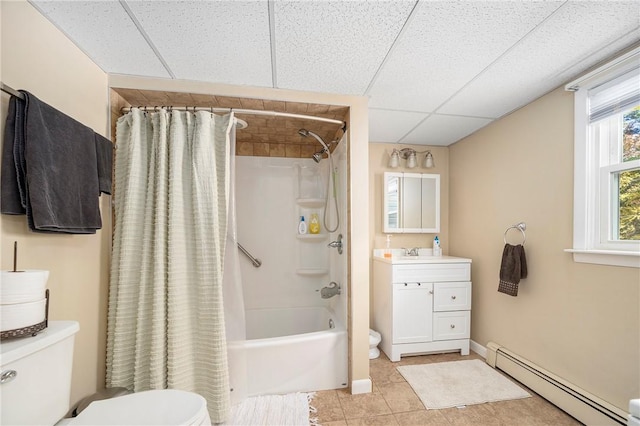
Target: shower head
318 155
305 133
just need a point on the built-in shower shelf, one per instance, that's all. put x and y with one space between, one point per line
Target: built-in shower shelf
312 272
312 237
310 203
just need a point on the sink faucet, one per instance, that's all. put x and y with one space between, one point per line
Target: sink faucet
411 252
329 292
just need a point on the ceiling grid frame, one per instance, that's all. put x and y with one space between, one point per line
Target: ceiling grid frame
333 46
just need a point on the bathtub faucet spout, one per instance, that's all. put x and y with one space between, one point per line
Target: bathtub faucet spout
329 292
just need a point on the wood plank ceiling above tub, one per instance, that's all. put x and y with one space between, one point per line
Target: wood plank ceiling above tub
266 136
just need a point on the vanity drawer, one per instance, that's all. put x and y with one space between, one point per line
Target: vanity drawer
431 272
451 325
452 296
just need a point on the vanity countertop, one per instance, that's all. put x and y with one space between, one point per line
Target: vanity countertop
397 259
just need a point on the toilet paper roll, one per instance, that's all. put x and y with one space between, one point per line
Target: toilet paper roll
20 315
22 287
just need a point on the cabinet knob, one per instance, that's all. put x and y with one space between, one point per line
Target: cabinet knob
419 283
453 297
453 326
430 291
405 284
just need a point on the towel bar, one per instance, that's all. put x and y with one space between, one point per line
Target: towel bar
521 226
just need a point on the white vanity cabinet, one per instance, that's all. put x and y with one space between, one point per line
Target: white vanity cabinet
422 305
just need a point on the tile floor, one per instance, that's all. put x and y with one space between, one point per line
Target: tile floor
393 402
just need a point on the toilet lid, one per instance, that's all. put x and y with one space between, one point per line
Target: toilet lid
154 407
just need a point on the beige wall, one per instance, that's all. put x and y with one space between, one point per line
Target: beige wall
579 321
39 58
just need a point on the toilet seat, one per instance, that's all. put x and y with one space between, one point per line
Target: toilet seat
154 407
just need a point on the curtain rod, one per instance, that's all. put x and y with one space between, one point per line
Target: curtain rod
247 111
11 91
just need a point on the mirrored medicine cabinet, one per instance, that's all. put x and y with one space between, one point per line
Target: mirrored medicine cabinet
411 203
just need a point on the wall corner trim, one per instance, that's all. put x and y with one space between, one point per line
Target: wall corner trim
478 348
361 386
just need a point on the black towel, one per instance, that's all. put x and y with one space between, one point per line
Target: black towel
11 199
55 169
104 156
512 269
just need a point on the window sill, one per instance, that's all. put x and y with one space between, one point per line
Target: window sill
627 259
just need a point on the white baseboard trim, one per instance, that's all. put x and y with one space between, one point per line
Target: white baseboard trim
361 386
478 348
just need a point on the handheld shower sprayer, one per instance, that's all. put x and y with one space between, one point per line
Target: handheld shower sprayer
306 133
330 179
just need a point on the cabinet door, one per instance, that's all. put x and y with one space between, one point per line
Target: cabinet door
412 312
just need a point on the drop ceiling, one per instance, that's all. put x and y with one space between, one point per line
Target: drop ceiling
434 71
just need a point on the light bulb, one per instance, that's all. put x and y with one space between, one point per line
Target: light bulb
394 159
428 161
411 161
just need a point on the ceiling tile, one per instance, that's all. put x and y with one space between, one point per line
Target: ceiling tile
334 46
219 41
391 126
443 130
447 44
550 56
104 31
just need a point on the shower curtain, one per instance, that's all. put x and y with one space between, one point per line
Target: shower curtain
166 324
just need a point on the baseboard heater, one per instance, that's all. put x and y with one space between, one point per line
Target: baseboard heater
585 407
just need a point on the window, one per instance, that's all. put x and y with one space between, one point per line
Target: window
607 164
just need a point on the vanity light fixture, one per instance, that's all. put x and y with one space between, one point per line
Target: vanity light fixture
411 156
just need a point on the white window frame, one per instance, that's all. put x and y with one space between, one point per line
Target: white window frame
592 184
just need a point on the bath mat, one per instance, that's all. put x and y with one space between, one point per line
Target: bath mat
286 410
459 383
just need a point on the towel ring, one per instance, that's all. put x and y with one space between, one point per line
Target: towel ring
520 227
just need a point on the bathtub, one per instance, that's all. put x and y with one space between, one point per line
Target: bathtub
290 350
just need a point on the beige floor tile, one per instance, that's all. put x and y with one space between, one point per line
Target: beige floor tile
394 402
386 420
328 406
528 412
363 405
479 414
422 417
547 413
337 423
400 397
382 373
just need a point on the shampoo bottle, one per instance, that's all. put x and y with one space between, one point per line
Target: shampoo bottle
314 224
302 226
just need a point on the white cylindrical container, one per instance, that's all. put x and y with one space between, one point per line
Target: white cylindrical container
22 286
20 315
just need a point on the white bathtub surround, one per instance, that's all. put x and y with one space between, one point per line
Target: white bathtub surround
296 340
165 320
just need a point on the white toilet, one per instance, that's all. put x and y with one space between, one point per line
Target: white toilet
374 341
36 384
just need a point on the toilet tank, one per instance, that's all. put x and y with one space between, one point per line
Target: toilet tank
39 392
